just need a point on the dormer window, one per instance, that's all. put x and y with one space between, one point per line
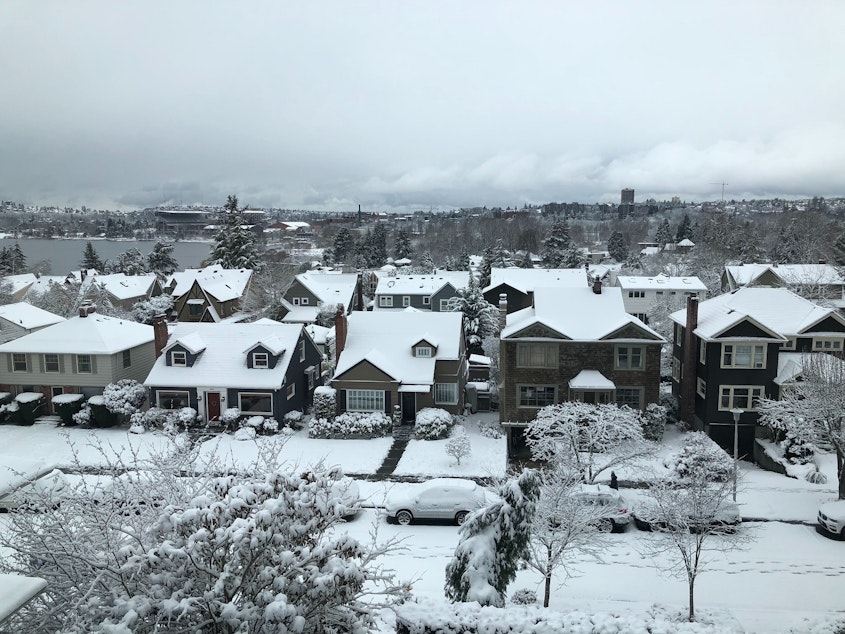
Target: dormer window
423 351
260 360
178 358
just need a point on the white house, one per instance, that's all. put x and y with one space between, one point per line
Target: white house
641 293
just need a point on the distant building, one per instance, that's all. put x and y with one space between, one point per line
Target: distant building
627 196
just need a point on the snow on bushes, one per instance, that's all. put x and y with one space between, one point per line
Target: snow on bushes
124 397
168 420
351 425
294 419
490 429
700 454
325 402
654 421
458 445
259 425
66 405
432 423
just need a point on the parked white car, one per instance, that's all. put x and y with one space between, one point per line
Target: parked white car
437 499
614 509
831 519
29 484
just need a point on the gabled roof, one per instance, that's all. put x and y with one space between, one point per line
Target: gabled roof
28 316
386 340
413 284
526 280
20 282
272 344
330 287
124 286
223 363
791 365
192 342
223 284
660 282
790 274
778 310
578 314
94 334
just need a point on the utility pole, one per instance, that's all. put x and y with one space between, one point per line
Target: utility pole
723 183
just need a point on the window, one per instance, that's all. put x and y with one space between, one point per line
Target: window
127 358
827 344
636 293
172 400
310 372
789 344
659 293
426 301
444 305
702 352
743 355
629 358
296 301
446 393
304 301
302 350
536 395
643 317
291 391
179 358
195 310
630 396
19 362
739 396
701 388
256 403
591 396
423 351
676 369
385 301
365 400
536 355
406 300
260 360
679 334
51 363
83 363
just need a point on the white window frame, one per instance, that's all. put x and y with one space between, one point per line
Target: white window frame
58 363
406 301
754 392
305 301
260 360
522 395
364 400
426 300
790 343
424 352
629 357
753 363
827 344
445 393
527 355
181 355
444 305
636 294
254 413
701 387
640 399
17 356
676 369
291 391
79 369
702 352
127 358
385 301
295 301
159 394
302 350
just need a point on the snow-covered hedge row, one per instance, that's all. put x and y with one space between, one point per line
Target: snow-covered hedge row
432 423
169 420
325 402
351 425
432 617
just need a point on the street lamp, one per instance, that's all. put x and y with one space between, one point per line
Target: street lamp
736 412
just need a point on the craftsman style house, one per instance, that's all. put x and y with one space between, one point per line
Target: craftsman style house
813 281
735 348
312 290
211 294
423 292
262 369
573 344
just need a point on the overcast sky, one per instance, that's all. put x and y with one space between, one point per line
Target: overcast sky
404 105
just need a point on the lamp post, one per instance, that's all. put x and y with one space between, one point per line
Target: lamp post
736 412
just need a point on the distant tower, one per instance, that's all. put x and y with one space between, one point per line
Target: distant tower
359 214
627 196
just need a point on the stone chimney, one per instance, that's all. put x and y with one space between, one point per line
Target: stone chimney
597 285
86 309
341 327
689 361
159 334
503 311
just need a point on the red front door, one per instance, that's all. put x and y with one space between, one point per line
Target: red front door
212 405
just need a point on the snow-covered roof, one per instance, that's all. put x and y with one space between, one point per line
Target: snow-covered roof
16 591
192 342
19 282
301 315
412 284
791 274
791 365
329 287
686 242
386 338
526 280
223 363
318 333
591 380
777 309
480 359
661 282
94 334
576 313
650 250
124 286
223 284
28 316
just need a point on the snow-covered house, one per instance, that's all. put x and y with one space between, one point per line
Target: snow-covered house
407 359
640 293
727 353
518 284
18 285
124 290
20 319
424 292
574 344
311 290
210 294
813 281
80 355
262 369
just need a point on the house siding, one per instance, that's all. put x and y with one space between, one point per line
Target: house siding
517 300
10 331
296 289
447 292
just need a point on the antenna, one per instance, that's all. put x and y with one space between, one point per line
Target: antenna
723 183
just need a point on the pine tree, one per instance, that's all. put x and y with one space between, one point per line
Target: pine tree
526 262
5 261
684 229
427 262
663 236
492 543
402 247
481 319
235 246
18 259
617 246
90 259
501 257
129 262
463 262
161 261
343 246
554 246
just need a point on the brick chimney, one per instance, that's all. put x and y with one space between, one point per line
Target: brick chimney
341 327
86 309
159 334
597 285
503 311
690 359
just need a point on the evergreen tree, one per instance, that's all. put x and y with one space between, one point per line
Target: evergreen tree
572 258
486 267
161 261
617 246
555 244
378 246
663 236
526 262
90 259
463 262
18 259
492 543
129 262
501 257
344 245
427 262
481 319
235 246
5 261
684 229
402 247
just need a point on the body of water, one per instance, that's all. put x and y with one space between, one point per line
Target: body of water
64 255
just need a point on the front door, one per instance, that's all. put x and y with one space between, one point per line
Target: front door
212 405
409 407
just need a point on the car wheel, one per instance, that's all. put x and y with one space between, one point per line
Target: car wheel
642 524
460 517
404 517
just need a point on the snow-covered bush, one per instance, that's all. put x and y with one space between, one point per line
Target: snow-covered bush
654 421
351 425
700 455
325 402
5 401
432 423
100 415
83 416
146 311
125 397
29 407
797 449
490 429
229 418
294 419
66 405
458 445
245 433
259 424
168 420
524 596
673 408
